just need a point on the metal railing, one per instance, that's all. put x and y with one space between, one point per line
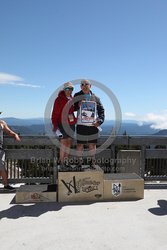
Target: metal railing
35 158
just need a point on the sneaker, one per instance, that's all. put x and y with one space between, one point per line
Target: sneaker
10 188
75 168
68 168
61 168
65 168
78 168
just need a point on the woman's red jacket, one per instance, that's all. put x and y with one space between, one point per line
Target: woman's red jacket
57 113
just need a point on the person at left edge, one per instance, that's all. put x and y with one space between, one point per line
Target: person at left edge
59 123
4 128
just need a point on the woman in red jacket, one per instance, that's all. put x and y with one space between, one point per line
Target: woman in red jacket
63 121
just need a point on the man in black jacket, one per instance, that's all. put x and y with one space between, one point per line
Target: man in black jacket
89 118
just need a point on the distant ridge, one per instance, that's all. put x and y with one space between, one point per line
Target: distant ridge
12 121
35 126
38 129
162 132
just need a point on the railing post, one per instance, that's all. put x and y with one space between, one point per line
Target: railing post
114 158
55 170
143 159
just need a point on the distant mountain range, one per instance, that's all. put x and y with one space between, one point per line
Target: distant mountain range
23 122
162 132
31 126
35 126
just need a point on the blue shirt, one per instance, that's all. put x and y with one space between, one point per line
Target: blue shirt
87 97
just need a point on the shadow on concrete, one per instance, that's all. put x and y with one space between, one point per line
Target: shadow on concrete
35 209
161 210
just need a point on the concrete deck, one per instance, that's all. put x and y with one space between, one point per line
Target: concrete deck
124 225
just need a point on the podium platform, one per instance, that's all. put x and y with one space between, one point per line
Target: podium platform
86 185
124 186
36 193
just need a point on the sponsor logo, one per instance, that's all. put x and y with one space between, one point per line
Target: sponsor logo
85 185
116 189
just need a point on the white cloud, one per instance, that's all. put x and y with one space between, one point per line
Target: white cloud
157 120
8 79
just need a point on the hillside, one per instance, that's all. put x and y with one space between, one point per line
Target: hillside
36 126
162 132
130 129
12 121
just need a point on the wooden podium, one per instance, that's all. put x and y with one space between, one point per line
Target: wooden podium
86 185
36 193
124 186
81 186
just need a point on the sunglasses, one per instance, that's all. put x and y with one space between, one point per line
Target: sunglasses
85 84
69 89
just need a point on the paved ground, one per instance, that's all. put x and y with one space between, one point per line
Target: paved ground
102 226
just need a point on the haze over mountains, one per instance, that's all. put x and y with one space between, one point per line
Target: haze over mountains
35 126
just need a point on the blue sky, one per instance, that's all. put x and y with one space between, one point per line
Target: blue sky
120 43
